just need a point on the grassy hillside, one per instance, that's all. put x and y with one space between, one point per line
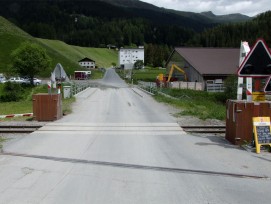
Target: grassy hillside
10 37
60 52
103 57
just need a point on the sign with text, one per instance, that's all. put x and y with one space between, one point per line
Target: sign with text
261 129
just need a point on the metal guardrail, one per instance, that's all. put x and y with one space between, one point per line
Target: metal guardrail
148 86
79 86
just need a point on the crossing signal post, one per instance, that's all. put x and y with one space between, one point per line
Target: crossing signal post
244 50
256 66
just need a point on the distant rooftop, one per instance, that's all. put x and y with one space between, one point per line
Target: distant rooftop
86 59
212 60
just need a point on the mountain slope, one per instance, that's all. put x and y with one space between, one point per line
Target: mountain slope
102 56
211 18
96 23
11 37
236 17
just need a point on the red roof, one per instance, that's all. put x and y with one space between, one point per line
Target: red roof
222 61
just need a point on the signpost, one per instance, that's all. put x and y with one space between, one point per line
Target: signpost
244 50
255 68
257 65
261 129
267 88
49 87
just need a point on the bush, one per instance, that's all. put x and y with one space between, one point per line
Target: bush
12 92
231 87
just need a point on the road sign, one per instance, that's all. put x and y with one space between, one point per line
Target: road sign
258 61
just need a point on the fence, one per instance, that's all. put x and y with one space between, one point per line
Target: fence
77 87
215 87
150 87
186 85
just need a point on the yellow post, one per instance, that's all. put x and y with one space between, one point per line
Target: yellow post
161 77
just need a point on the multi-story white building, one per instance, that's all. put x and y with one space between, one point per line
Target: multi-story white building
128 57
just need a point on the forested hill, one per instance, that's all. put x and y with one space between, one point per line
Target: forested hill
230 35
96 23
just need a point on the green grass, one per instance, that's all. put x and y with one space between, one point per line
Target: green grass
96 74
200 104
2 140
26 105
60 52
148 74
102 56
67 105
15 107
23 106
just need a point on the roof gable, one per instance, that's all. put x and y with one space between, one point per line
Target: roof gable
86 59
212 60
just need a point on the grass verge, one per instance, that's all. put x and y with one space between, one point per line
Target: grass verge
2 140
203 105
147 74
67 105
26 105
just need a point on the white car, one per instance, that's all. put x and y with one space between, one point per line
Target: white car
35 81
16 80
2 79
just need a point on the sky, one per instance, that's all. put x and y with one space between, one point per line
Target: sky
218 7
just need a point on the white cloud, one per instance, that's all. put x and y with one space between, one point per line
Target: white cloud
219 7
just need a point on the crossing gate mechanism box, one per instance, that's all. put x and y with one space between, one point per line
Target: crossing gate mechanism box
239 125
47 107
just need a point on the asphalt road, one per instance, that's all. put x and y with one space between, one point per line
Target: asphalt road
120 146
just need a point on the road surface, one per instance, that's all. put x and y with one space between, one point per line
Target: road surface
120 146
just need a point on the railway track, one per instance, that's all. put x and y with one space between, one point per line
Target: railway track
18 128
193 129
217 129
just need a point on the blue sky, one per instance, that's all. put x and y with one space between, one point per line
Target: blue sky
218 7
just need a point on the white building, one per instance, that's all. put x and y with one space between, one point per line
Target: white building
128 57
87 63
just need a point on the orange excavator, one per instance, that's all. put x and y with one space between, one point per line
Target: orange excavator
161 79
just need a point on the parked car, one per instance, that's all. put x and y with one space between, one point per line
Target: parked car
16 80
36 81
2 79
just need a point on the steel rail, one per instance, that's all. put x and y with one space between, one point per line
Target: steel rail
18 128
204 129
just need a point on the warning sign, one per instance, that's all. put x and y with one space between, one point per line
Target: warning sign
258 61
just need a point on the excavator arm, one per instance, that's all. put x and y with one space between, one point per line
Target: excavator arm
174 66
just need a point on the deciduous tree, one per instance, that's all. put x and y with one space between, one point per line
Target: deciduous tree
29 59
